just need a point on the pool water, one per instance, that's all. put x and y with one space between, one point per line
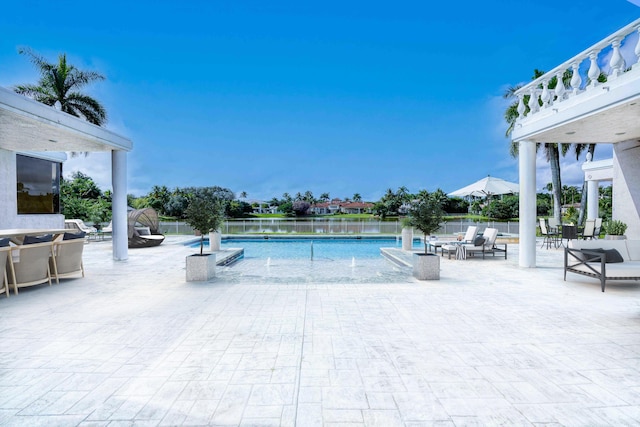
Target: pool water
328 249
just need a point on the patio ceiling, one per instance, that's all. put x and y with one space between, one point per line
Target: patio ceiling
27 125
610 117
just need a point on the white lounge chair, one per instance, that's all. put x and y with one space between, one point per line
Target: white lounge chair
468 237
488 246
77 225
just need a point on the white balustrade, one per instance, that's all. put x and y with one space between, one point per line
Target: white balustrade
541 97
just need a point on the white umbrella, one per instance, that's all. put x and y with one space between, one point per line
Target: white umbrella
487 187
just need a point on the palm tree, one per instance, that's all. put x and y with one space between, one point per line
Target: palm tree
324 197
60 83
357 197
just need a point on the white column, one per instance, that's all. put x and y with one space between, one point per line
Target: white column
119 205
527 165
592 199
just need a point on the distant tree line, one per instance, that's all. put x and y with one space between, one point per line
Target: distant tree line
82 198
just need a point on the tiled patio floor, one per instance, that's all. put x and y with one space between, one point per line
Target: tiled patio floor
488 344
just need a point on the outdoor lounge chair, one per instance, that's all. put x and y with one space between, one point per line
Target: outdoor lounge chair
488 246
77 225
447 246
143 228
67 257
30 264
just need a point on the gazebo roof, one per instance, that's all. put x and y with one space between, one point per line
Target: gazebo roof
28 125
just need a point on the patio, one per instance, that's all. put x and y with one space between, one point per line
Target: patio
490 343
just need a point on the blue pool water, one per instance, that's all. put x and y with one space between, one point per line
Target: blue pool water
322 248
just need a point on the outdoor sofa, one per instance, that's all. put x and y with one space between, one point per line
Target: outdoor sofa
603 259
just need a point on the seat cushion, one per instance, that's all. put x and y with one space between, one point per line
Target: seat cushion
29 240
633 246
4 242
73 236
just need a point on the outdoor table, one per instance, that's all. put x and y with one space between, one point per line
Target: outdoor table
17 234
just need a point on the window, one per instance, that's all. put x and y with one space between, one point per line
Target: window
38 185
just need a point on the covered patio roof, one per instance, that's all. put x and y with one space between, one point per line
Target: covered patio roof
28 125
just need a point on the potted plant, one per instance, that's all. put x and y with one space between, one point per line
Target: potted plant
426 215
615 230
205 214
407 234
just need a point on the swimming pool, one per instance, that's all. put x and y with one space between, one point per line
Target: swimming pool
305 248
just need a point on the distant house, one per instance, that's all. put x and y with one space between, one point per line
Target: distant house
340 206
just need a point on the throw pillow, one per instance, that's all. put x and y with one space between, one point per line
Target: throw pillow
611 255
479 241
29 240
4 242
72 236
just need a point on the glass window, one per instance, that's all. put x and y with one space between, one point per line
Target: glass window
38 185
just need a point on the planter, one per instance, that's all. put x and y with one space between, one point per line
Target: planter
614 237
407 239
201 268
426 266
214 241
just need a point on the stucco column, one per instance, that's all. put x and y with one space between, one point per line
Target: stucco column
527 166
119 205
592 199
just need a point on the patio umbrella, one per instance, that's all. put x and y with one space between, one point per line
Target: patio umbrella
488 186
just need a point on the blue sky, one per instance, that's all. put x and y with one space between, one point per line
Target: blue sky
335 96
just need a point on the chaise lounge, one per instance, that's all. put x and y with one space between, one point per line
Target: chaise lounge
603 259
143 228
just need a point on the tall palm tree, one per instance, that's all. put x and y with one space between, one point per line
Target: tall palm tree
357 197
60 83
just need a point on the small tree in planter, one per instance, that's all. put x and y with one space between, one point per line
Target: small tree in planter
426 214
205 214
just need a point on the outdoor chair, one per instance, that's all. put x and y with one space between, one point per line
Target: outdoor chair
554 226
596 233
449 247
550 237
67 256
485 244
77 225
5 253
30 262
589 229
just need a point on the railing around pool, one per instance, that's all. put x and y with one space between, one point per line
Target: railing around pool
331 226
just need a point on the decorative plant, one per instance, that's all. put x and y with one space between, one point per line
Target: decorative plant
205 214
616 228
426 213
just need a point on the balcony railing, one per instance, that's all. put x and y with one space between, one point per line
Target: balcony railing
614 56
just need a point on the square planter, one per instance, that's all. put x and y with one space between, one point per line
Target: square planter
426 266
201 268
